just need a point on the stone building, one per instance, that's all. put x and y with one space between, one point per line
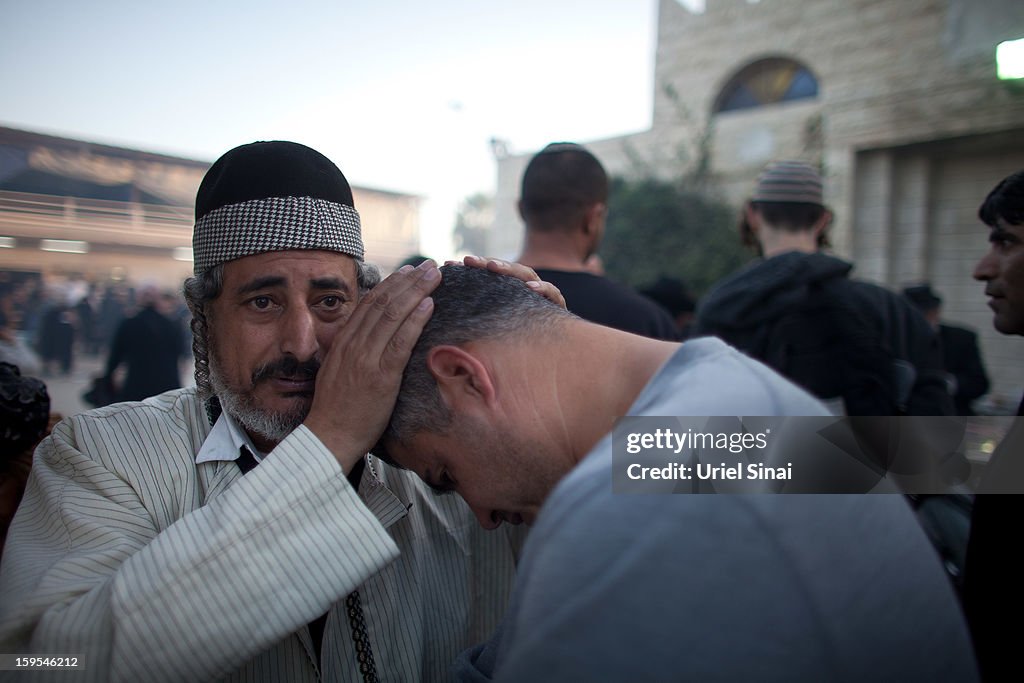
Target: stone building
71 209
897 101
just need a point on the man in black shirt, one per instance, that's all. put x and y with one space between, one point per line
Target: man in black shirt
563 202
150 345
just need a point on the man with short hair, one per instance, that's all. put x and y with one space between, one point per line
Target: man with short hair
509 402
853 343
564 204
993 591
236 529
1002 268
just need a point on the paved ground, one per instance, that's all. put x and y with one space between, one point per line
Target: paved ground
66 390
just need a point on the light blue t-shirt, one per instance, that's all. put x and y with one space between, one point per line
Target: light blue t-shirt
677 587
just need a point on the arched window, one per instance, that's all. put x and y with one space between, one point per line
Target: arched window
765 82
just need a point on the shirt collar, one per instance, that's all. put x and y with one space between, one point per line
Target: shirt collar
227 438
225 441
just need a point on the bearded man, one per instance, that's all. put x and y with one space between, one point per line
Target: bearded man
237 529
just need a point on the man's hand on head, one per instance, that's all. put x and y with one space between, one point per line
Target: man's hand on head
519 271
360 376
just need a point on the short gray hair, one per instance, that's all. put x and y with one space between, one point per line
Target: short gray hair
201 290
470 304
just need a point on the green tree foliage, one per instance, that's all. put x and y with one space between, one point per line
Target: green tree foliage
658 228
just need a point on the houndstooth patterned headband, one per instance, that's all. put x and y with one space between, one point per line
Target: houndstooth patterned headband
275 224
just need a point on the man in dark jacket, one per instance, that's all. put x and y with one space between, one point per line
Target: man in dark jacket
149 344
961 355
861 348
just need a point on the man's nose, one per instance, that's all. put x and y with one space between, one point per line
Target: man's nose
487 517
299 334
986 269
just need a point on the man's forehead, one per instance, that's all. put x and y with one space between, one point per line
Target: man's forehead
294 264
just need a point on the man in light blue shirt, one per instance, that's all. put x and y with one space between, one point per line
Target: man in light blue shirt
509 402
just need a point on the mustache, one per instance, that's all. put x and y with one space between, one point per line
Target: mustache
288 367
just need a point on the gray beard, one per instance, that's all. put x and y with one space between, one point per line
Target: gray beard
270 426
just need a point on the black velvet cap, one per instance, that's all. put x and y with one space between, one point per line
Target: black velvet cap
671 293
273 196
271 169
923 297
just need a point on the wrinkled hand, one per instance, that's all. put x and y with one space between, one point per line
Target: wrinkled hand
519 271
359 379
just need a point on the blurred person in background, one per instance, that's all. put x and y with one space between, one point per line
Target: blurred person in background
25 419
112 308
86 314
13 347
149 345
965 371
564 202
173 306
858 346
672 294
57 332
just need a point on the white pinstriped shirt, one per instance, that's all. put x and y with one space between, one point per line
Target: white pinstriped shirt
152 567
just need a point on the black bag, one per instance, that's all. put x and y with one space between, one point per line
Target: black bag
101 392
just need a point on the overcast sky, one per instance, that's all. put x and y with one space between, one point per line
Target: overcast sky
402 95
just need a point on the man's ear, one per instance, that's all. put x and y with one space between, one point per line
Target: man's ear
593 219
822 225
461 378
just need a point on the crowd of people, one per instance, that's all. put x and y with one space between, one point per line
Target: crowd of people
284 518
46 325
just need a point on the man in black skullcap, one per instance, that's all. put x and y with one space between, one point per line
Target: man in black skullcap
237 529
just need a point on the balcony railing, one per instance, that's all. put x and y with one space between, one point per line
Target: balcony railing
41 216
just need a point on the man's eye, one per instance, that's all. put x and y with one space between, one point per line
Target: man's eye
331 301
1001 240
260 302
